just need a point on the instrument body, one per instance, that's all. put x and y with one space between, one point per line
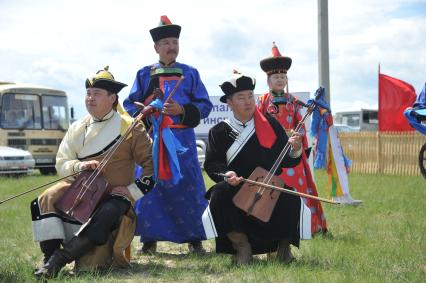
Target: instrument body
82 198
256 200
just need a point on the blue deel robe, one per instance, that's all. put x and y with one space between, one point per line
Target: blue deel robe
173 212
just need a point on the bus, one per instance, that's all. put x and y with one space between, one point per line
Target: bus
34 118
361 120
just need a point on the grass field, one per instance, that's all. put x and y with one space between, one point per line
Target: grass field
383 240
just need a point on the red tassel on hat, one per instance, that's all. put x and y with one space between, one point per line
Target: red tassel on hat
164 20
275 51
264 131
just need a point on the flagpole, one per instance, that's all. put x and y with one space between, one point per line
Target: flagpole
378 123
378 97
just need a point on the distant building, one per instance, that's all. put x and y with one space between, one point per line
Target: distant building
363 120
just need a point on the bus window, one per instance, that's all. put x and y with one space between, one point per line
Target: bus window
55 116
370 117
351 120
20 111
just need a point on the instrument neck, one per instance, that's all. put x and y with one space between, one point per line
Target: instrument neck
287 147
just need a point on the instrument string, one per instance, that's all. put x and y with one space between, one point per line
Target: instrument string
284 151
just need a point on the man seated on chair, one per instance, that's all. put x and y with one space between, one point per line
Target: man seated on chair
236 147
102 240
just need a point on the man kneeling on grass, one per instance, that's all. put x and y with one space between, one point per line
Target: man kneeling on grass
100 242
236 147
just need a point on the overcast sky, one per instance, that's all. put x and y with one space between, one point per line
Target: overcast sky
60 43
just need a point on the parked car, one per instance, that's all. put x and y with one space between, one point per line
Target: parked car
345 128
201 152
15 161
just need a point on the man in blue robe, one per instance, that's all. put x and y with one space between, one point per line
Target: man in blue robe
173 213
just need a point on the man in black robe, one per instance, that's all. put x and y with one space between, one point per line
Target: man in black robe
236 147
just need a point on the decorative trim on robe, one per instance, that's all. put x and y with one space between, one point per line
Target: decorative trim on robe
101 151
304 223
191 116
245 134
208 224
50 225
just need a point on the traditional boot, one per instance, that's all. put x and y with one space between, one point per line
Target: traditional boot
148 248
72 250
242 246
196 247
48 247
284 251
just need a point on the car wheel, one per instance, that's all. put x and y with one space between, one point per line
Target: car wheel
48 171
422 160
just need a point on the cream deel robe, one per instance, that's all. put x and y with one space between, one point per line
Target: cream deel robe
88 139
91 137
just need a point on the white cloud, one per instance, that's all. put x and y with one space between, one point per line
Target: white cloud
60 43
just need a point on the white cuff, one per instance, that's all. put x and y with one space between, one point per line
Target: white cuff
76 167
295 154
135 192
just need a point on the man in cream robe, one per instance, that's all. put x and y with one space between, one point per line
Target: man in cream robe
102 240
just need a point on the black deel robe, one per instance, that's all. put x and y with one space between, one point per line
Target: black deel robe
284 222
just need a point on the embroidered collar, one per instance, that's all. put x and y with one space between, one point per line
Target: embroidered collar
279 94
167 65
240 125
105 118
281 98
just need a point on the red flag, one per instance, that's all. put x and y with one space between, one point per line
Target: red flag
394 97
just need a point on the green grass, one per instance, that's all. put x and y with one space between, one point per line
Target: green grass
383 240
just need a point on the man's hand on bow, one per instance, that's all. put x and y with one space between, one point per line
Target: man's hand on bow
88 165
172 108
295 140
232 178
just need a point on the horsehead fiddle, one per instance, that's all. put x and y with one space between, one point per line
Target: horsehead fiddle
89 188
259 193
38 187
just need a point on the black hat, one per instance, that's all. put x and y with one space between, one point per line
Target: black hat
238 82
277 63
165 29
105 80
